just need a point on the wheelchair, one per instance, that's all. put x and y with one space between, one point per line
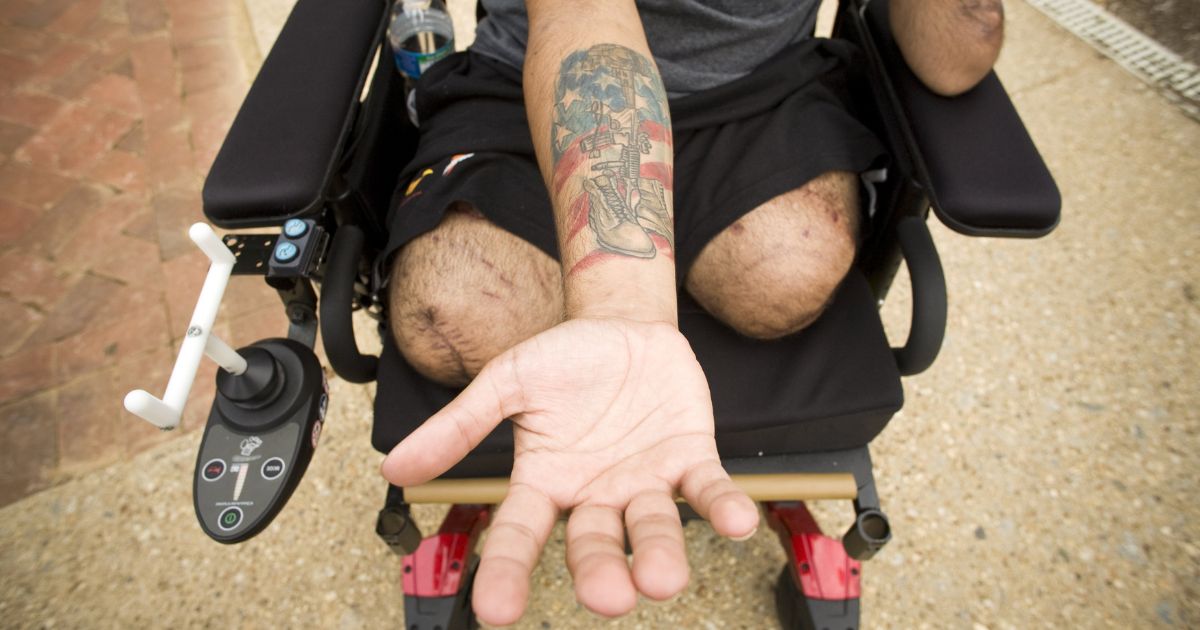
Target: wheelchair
314 154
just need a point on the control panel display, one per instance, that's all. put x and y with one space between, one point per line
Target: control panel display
243 475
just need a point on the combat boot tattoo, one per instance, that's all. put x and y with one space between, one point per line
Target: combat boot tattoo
652 210
614 223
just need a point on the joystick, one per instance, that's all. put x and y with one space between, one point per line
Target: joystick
264 424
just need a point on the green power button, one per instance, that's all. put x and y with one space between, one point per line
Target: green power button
230 518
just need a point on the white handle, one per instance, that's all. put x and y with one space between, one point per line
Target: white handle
165 413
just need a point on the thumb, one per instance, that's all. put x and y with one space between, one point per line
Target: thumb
447 436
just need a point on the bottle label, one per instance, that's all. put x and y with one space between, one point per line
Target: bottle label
413 64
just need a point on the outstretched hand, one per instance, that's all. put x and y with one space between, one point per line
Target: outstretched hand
611 418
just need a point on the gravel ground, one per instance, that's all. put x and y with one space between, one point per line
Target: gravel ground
1042 473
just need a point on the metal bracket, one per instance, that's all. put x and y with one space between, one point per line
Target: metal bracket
252 252
288 260
256 253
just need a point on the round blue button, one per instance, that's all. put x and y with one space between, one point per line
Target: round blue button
295 228
285 251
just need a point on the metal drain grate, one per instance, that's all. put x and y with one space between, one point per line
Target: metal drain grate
1136 52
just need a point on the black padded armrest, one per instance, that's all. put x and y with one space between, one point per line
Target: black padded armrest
984 175
286 140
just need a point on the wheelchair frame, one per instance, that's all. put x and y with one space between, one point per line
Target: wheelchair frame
350 146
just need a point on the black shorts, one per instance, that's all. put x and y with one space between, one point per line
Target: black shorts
736 146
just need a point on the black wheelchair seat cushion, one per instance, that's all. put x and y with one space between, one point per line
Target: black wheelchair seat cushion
832 386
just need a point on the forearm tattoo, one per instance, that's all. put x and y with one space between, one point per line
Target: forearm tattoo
611 142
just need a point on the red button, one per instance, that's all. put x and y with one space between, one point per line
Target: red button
213 470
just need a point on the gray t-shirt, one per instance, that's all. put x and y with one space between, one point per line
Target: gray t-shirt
698 44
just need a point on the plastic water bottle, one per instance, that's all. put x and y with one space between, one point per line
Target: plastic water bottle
421 34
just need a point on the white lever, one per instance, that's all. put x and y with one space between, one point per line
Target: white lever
165 413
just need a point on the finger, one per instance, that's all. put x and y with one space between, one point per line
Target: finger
710 491
660 567
447 436
596 559
514 542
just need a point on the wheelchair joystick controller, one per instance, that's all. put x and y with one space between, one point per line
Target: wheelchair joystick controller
262 431
264 424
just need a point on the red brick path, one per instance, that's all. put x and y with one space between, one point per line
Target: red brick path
110 113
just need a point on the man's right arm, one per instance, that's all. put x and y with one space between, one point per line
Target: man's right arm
611 411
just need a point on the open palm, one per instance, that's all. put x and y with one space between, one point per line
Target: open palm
611 419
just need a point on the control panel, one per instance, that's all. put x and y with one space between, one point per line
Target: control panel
262 431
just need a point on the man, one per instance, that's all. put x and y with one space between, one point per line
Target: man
696 145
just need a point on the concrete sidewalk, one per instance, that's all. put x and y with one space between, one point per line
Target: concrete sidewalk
1042 473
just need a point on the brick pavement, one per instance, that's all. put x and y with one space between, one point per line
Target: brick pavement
111 112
